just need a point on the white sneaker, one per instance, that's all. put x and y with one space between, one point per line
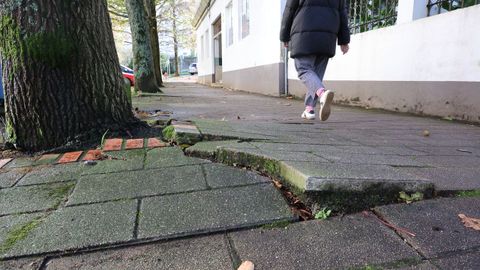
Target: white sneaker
325 103
309 115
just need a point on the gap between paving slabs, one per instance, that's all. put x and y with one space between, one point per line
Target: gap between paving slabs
341 187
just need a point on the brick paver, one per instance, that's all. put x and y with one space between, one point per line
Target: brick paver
93 155
113 145
154 143
134 144
70 157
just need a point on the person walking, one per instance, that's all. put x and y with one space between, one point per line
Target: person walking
310 29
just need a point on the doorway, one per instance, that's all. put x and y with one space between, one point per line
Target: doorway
217 50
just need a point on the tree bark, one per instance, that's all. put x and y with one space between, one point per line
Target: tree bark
152 20
145 80
61 72
175 39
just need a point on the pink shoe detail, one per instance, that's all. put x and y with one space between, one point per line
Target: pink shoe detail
309 108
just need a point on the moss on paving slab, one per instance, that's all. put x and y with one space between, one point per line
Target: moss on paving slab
19 233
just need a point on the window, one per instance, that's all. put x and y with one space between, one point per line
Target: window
244 16
229 23
207 44
202 47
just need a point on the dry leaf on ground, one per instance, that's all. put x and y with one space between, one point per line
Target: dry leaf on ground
469 222
247 265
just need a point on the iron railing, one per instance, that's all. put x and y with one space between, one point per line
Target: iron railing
439 6
366 15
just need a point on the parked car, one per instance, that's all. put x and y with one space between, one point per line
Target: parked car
193 69
128 74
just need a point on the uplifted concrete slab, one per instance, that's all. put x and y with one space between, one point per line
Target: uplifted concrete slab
8 178
189 254
218 175
136 184
207 149
130 160
169 157
436 224
55 173
78 227
211 211
339 243
33 198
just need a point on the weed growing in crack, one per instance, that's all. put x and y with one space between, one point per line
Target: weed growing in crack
323 213
417 196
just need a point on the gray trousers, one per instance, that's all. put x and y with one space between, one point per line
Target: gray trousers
311 70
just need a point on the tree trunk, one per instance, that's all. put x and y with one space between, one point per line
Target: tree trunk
175 39
152 20
145 80
61 72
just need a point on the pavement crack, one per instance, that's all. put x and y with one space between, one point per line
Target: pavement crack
137 219
234 257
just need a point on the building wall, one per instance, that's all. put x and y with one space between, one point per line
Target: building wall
252 63
427 66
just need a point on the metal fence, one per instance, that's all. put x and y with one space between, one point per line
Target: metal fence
365 15
439 6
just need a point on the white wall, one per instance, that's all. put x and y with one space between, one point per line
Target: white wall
260 47
444 47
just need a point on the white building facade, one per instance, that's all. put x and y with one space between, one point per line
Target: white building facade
422 64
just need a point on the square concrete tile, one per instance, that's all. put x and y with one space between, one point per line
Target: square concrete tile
8 178
219 175
21 264
449 179
212 210
436 224
50 174
468 260
134 184
33 198
123 161
338 243
451 161
394 160
351 171
209 252
169 157
79 227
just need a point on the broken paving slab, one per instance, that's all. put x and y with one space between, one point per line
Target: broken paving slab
219 175
182 133
33 198
169 157
207 149
311 176
79 227
53 173
438 229
393 160
210 252
135 184
8 178
211 211
119 161
339 243
21 162
451 161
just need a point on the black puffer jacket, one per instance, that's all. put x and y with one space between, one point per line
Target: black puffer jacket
313 26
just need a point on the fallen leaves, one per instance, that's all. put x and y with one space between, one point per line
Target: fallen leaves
469 222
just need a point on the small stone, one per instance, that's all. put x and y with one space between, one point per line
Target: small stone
426 133
90 162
